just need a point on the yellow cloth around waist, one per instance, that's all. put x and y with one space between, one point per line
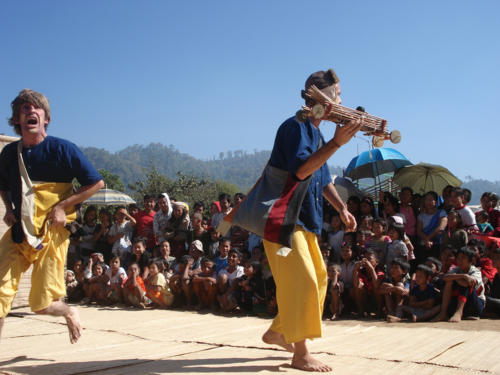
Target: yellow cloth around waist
37 204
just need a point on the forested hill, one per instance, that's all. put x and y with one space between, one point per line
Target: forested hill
237 167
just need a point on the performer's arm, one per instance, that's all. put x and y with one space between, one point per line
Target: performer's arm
9 217
331 194
58 215
342 135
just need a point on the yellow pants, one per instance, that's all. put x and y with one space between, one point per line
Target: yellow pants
301 283
47 279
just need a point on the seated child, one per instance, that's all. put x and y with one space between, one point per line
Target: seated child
73 292
133 289
379 241
226 277
115 276
333 305
483 262
205 284
435 265
347 275
397 248
367 279
397 286
140 256
212 243
423 297
484 225
180 282
97 285
463 294
192 268
221 259
493 296
448 259
164 254
157 289
247 291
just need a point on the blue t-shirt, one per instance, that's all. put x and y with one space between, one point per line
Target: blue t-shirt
53 160
423 295
220 263
295 142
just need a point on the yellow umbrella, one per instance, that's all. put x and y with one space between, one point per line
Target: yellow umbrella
424 177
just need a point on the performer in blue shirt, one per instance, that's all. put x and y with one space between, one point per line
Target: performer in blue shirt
300 274
36 175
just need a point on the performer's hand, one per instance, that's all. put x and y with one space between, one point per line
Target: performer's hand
9 218
57 216
344 133
349 220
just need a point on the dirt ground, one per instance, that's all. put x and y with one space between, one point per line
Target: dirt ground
127 341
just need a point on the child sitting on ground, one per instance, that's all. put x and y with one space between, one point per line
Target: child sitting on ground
115 276
423 298
463 294
73 292
396 287
205 284
333 304
221 259
435 265
347 275
97 285
226 277
157 289
493 295
367 279
379 241
249 290
448 259
134 290
397 248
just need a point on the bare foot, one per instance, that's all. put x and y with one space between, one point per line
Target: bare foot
392 319
74 326
439 318
414 318
275 338
308 363
456 318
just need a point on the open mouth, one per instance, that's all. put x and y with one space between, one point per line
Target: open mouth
32 121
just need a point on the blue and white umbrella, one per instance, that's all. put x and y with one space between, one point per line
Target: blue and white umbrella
109 197
373 163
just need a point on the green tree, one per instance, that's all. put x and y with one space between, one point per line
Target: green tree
186 188
112 181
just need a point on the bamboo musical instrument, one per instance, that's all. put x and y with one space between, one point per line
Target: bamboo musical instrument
326 109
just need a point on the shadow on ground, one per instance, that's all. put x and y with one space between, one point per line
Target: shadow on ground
146 366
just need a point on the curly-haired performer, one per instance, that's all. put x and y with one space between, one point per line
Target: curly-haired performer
36 175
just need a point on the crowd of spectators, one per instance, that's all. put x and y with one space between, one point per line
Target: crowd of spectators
412 257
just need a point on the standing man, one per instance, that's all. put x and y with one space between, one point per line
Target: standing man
144 222
36 175
300 274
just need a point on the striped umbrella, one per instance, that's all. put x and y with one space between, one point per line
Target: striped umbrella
109 197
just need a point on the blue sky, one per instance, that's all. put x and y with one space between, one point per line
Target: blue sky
222 75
